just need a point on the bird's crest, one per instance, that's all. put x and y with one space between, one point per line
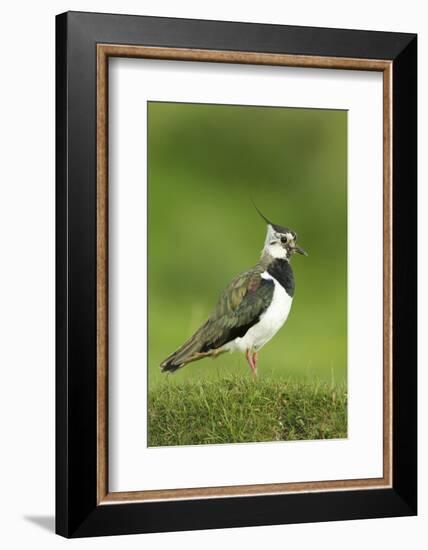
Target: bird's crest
277 228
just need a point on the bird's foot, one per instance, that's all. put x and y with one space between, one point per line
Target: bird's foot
250 359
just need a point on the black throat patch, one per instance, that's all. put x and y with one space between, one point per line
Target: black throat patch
282 272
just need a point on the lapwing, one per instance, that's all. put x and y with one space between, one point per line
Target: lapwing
251 309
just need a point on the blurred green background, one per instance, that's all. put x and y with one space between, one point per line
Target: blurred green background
204 163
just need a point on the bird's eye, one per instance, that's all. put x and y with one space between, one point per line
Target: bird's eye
284 240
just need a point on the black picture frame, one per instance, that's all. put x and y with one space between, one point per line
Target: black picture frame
77 511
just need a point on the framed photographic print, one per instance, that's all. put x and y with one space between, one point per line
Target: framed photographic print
236 274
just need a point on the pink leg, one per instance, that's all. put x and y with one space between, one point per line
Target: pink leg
251 362
255 359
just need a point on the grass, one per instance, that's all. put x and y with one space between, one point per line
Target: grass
238 410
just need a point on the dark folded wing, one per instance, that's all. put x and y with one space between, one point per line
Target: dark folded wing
242 303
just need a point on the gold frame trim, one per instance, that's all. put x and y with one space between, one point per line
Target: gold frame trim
104 51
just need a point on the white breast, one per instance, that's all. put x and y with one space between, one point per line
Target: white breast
270 321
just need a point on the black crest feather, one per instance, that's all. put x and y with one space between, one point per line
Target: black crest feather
277 228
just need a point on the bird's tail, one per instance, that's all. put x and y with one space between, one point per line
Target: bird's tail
188 352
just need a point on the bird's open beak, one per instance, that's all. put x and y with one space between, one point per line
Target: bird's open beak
299 250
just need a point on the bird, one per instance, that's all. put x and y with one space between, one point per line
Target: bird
251 309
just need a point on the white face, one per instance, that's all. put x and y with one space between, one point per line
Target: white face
279 245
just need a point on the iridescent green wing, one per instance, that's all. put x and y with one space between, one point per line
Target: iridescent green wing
240 306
